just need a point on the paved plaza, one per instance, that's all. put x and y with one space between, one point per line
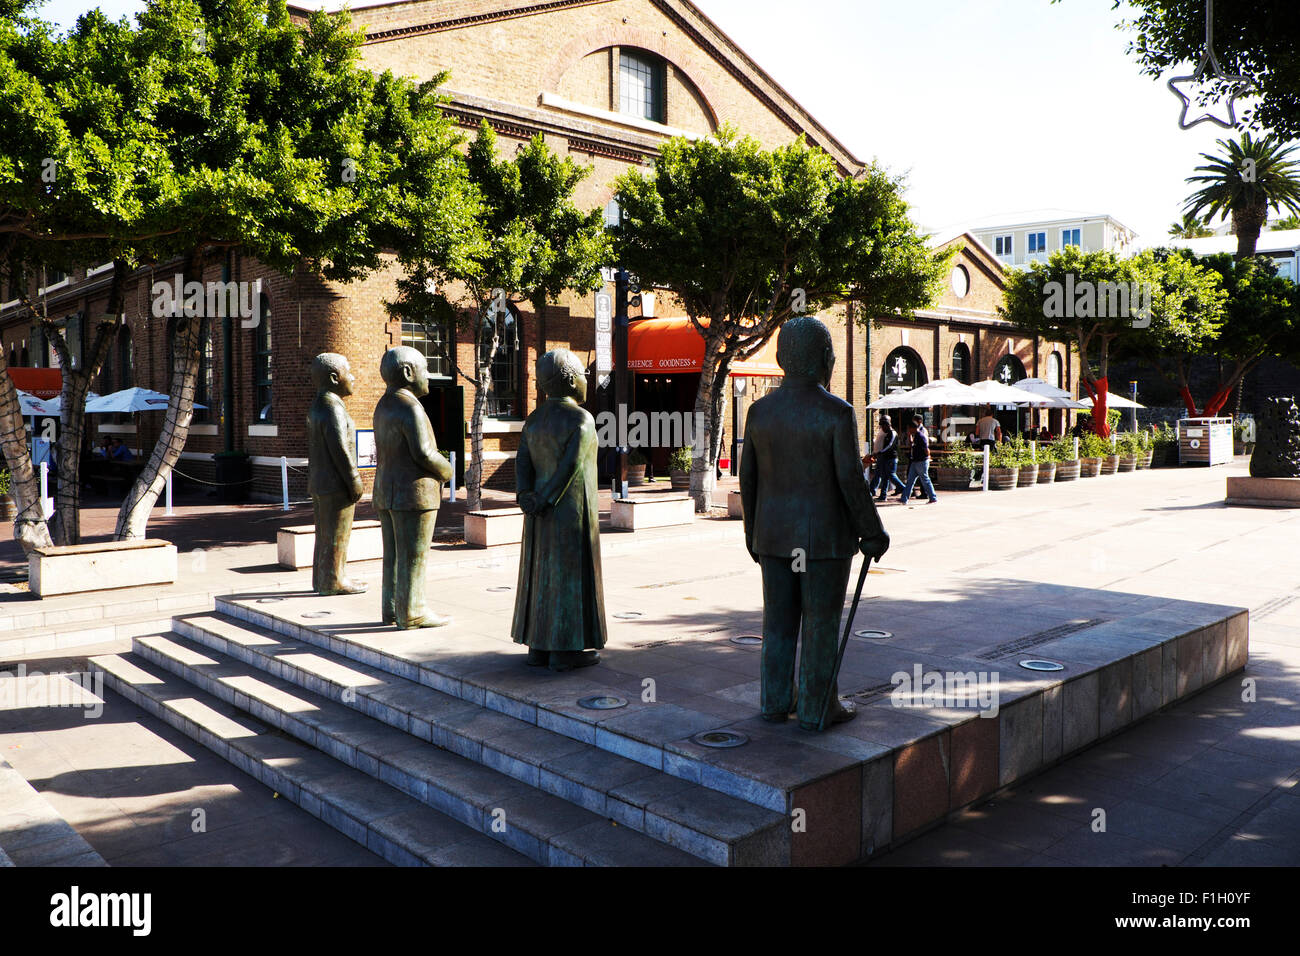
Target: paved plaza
1208 781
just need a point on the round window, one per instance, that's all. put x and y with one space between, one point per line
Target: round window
960 281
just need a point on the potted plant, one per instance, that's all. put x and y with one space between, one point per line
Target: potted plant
635 468
8 508
679 468
1004 467
1093 449
1047 461
1129 446
954 470
1110 460
1027 475
1146 448
1067 463
1164 444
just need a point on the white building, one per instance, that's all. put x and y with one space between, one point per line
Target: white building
1033 236
1282 245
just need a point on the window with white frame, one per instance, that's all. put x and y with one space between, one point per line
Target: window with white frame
1069 237
1037 242
642 79
1002 245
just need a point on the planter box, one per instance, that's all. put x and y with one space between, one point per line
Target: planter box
1046 472
1089 467
1067 470
295 546
1264 492
1001 479
735 505
74 568
1128 464
1110 464
487 529
658 511
1028 476
951 479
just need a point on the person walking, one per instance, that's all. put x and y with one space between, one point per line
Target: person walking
885 456
919 468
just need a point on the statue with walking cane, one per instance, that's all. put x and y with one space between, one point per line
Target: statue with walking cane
333 481
807 512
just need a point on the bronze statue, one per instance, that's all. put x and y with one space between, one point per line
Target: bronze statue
332 477
560 604
409 473
807 510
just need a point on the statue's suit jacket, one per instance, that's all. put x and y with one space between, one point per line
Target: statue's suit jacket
330 440
801 476
409 472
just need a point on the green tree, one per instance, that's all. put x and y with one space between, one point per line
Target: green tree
529 243
1190 228
1251 176
272 139
1090 299
1256 40
1287 222
747 237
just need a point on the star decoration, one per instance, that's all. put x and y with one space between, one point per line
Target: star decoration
1238 85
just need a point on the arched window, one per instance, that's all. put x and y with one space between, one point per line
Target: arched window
961 363
903 369
1009 370
262 364
1055 370
642 80
503 396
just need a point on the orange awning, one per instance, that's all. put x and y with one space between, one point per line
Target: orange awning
41 382
664 346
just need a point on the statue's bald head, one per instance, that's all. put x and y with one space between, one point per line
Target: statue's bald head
404 367
804 349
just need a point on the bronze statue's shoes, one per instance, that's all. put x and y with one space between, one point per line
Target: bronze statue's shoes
841 713
426 620
348 587
538 658
562 661
775 718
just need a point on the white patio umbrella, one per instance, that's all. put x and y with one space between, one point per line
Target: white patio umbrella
55 405
943 391
30 405
1054 397
1112 401
130 400
997 393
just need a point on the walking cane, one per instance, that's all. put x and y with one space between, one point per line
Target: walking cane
844 643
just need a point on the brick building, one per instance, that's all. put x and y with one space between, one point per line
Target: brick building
605 81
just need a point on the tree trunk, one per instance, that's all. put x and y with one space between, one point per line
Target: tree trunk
30 529
1247 223
707 410
184 334
1097 390
474 473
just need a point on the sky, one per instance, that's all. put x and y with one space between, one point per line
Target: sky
990 108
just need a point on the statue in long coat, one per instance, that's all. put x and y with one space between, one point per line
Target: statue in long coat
559 604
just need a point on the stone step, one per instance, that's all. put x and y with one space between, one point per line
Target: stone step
393 825
654 734
230 658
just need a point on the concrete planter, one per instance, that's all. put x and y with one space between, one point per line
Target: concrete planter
1110 464
1264 492
1027 477
1127 463
1067 470
1046 472
952 479
1002 479
1089 467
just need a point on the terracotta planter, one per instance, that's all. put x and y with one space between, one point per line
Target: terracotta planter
1089 467
635 475
1110 464
680 480
951 479
1046 472
1067 470
1127 463
1027 477
1001 479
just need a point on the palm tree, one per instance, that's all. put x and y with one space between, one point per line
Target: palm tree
1191 227
1252 176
